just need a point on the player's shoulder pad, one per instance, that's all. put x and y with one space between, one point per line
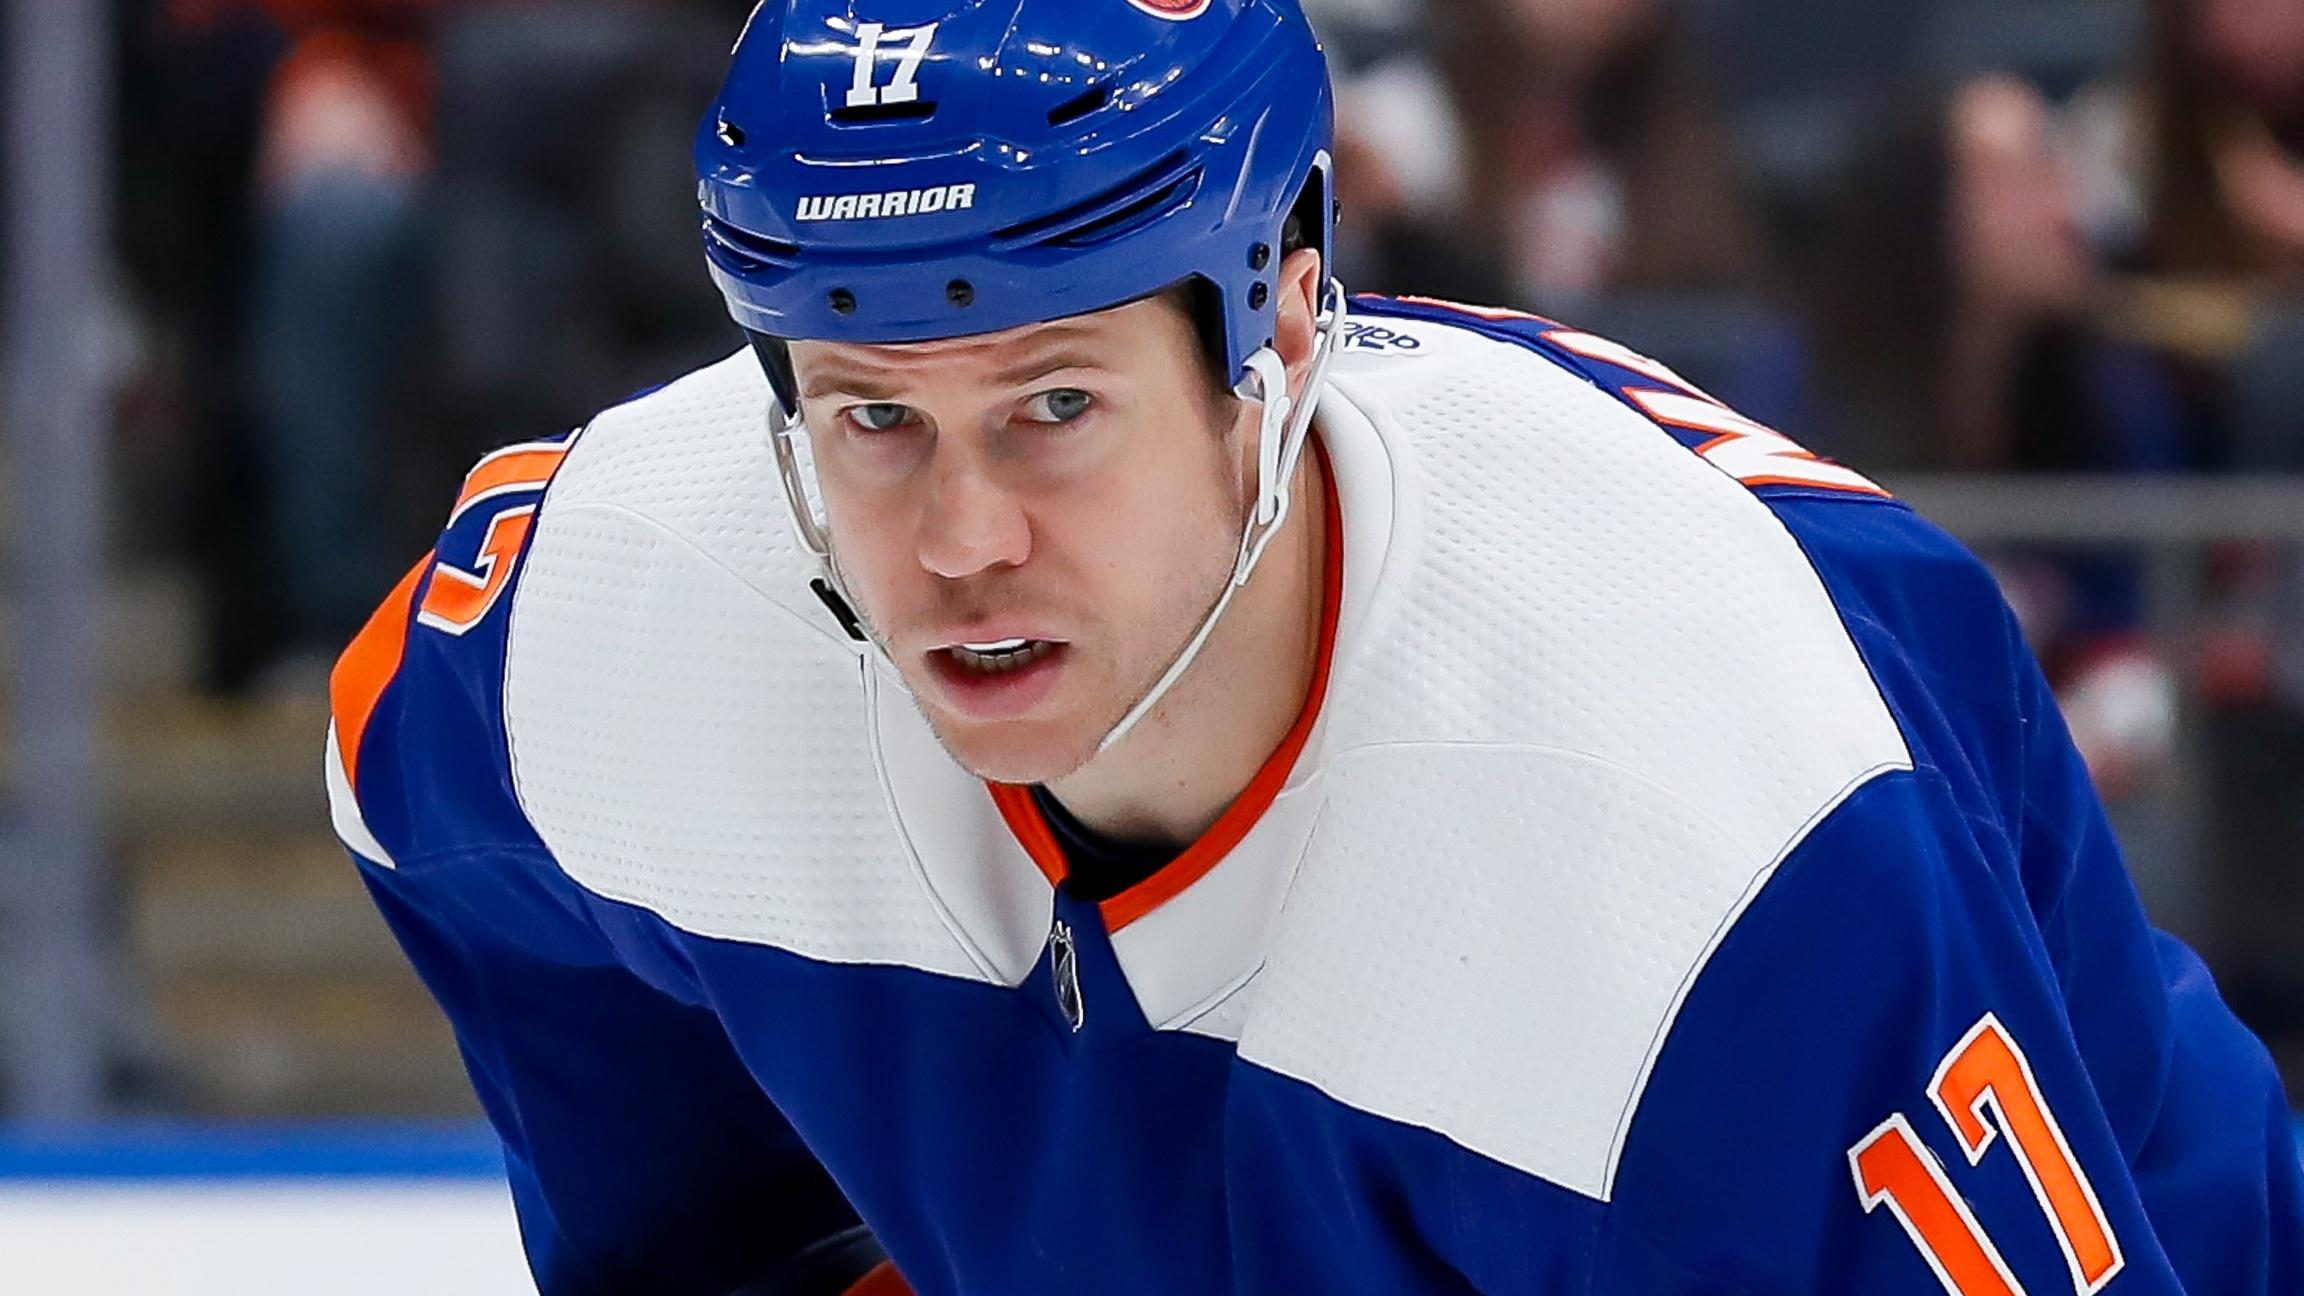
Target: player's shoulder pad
1602 693
1926 616
1911 597
417 756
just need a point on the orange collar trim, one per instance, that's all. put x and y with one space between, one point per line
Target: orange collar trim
1023 816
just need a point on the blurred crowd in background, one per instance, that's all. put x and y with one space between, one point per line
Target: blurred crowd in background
362 241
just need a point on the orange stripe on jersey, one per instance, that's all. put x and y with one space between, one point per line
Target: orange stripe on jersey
1023 814
882 1281
511 469
1752 453
367 666
1031 831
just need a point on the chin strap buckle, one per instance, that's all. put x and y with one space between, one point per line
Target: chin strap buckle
840 610
783 437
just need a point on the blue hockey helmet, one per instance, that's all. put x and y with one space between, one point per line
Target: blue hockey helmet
901 170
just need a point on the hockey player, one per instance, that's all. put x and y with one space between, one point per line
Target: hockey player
1085 763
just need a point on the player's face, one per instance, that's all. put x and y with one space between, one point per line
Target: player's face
1035 521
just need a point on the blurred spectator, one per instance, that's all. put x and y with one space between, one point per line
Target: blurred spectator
1401 161
193 98
1596 184
272 208
314 263
2224 260
338 299
2227 121
569 267
1598 161
1956 296
1956 306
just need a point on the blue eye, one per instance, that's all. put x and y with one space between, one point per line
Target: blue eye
1060 406
882 417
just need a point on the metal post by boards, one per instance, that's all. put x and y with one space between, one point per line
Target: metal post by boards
51 959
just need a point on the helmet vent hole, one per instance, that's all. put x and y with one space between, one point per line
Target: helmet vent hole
881 113
1079 106
730 133
960 292
842 301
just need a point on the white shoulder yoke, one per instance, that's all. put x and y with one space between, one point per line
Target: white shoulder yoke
688 733
1600 696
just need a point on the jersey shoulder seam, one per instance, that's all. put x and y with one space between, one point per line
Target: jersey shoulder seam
1728 923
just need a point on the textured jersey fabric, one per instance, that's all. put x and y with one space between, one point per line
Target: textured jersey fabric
1685 886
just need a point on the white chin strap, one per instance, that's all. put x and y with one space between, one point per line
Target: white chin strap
1282 433
1284 429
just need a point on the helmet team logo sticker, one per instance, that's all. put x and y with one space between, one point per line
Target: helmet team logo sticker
1173 10
878 206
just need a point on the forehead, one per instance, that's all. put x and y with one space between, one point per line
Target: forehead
1111 338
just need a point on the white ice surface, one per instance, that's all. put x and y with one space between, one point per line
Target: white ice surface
256 1239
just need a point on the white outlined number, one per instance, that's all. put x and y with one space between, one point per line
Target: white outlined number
1984 1089
864 92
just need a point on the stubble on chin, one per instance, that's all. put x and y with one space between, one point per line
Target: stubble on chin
975 746
1004 757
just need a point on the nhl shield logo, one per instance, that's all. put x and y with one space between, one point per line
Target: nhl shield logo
1173 10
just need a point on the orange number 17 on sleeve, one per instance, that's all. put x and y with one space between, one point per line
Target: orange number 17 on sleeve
1985 1074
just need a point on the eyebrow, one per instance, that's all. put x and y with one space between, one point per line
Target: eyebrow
848 384
1067 353
1042 366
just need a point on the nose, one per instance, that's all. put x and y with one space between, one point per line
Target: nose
971 523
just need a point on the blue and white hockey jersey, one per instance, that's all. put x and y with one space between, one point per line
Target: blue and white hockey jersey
1685 885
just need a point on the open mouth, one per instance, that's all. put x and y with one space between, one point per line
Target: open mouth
1002 679
1000 656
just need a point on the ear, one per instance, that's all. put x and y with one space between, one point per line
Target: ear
1295 332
